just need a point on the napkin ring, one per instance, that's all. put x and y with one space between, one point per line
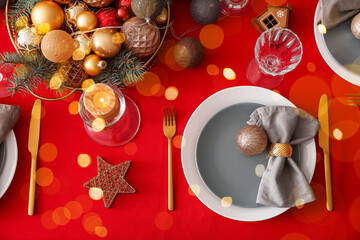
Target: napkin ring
280 150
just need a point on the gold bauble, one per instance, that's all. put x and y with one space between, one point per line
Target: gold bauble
47 12
86 21
57 46
162 18
94 65
106 43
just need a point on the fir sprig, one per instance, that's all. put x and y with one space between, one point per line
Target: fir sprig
124 68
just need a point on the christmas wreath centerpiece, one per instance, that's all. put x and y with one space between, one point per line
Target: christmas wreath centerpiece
64 42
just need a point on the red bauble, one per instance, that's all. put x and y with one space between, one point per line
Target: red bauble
123 3
122 13
107 17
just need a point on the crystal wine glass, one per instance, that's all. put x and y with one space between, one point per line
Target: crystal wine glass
118 130
277 52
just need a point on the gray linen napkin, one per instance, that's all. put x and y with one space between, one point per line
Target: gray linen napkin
283 183
8 117
334 12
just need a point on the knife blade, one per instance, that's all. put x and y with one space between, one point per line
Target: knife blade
33 146
323 116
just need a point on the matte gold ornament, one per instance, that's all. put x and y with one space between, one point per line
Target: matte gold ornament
98 3
162 18
252 140
47 12
355 26
141 38
57 46
147 8
86 21
94 65
106 43
189 52
73 10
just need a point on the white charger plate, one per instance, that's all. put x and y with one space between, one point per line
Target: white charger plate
11 156
204 112
340 50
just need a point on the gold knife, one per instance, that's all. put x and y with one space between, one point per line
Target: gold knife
33 146
324 144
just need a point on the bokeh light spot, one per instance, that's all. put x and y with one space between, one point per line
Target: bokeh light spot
194 189
87 83
171 93
226 201
44 176
74 107
74 208
337 134
86 202
47 220
90 221
98 124
48 152
259 170
130 148
300 203
168 56
322 28
101 231
354 214
229 74
211 36
212 69
150 85
84 160
311 67
177 140
43 111
164 221
61 216
295 236
53 188
95 193
56 81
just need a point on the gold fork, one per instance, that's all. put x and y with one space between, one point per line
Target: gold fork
353 99
169 127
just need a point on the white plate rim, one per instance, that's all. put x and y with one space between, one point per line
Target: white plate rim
329 58
11 157
204 112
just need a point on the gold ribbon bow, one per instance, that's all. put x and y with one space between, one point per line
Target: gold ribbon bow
280 150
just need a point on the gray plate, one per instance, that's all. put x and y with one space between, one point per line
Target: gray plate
224 169
2 156
344 47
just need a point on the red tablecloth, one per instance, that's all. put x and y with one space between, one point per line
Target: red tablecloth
64 209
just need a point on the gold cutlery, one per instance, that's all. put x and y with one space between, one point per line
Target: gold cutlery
169 128
33 146
323 116
353 99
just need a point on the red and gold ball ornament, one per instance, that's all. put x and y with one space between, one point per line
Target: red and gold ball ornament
94 65
123 3
48 14
106 43
122 14
86 21
57 46
107 17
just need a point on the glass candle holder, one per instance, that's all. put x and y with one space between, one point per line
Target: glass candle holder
235 7
277 52
113 129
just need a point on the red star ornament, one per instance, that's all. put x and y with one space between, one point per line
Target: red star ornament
110 180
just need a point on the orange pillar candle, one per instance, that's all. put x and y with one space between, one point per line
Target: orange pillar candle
101 102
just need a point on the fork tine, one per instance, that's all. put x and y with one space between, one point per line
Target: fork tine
164 121
173 118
